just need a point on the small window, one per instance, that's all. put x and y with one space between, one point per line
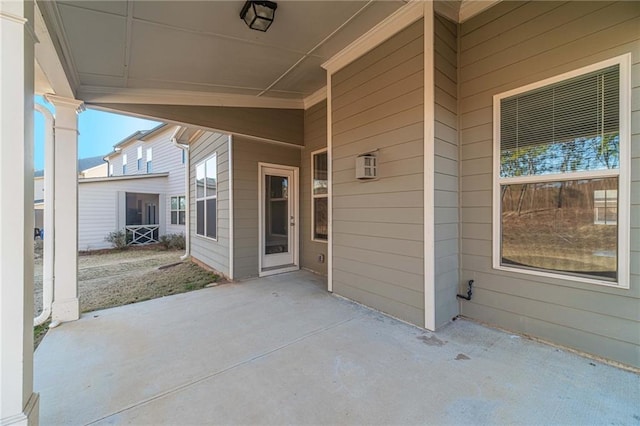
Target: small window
178 208
124 164
560 151
184 156
319 196
110 169
149 160
139 158
207 197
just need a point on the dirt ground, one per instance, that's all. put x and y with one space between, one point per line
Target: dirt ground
122 277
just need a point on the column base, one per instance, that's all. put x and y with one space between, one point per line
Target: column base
30 416
66 310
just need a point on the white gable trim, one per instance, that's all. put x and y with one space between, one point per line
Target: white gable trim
471 8
315 98
394 23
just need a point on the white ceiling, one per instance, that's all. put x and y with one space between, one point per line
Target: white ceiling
201 52
203 46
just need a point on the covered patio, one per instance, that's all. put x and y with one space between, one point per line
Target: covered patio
281 350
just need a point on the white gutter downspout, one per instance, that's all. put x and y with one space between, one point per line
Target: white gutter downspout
48 254
187 199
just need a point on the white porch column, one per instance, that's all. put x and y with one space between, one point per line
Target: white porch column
18 403
65 202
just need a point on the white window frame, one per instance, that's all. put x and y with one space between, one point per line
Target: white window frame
149 163
178 210
124 164
624 61
314 196
139 160
214 156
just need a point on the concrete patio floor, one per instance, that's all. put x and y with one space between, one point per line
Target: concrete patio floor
281 350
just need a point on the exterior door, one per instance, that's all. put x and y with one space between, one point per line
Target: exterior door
279 219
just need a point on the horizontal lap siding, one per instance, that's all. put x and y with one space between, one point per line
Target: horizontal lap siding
213 253
508 46
378 245
247 153
98 207
446 171
315 138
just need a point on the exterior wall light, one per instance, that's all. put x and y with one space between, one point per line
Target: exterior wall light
259 14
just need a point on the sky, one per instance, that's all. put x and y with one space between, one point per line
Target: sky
99 131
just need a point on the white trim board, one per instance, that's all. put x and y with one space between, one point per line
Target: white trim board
393 24
428 171
231 209
329 188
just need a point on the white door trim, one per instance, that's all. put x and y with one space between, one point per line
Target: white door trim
296 213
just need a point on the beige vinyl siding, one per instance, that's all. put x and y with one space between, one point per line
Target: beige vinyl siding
510 45
315 138
378 245
446 170
247 153
99 207
282 125
214 253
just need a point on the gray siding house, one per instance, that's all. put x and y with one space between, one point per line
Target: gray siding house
420 147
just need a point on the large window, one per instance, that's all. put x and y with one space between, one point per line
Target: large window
178 209
319 196
560 164
206 197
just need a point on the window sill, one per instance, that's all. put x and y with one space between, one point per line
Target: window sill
623 284
319 241
204 237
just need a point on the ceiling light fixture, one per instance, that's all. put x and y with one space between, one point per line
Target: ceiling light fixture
259 14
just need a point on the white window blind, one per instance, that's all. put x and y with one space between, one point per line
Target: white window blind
564 127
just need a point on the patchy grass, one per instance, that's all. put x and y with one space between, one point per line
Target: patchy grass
38 333
177 279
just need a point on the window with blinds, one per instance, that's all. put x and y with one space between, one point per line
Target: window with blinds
569 126
558 147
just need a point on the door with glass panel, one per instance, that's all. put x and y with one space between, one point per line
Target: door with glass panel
278 217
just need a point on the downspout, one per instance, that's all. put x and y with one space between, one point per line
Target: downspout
187 198
48 254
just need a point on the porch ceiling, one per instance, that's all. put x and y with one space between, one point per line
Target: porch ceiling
165 47
201 52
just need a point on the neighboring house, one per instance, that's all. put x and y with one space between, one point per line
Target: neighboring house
87 167
144 192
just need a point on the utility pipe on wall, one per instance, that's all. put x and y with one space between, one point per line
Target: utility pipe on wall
48 254
174 139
